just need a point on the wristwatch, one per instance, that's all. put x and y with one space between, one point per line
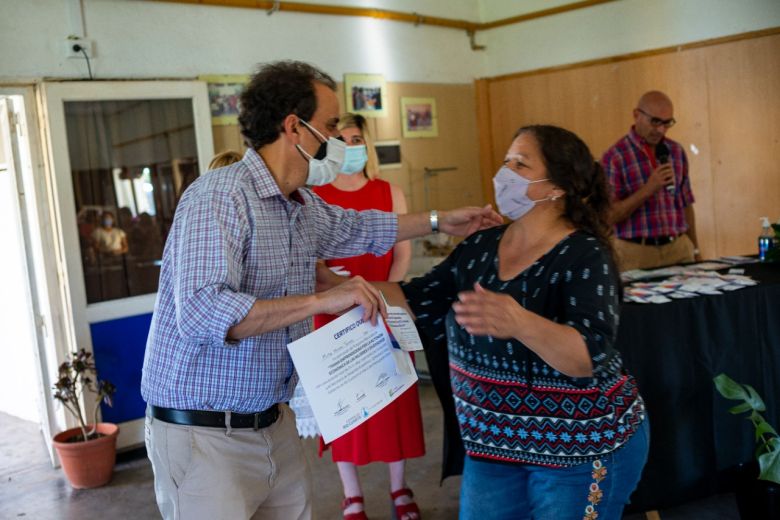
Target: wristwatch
434 217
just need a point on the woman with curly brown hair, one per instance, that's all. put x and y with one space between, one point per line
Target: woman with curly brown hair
552 425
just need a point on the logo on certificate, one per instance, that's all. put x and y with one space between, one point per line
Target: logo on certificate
382 380
342 408
352 420
394 390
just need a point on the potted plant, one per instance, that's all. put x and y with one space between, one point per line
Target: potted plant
87 452
756 497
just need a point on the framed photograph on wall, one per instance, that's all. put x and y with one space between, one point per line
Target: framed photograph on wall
366 94
224 95
418 117
389 154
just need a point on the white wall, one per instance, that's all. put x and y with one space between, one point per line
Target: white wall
137 39
617 28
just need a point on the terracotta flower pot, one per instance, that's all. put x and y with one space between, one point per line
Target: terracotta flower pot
88 464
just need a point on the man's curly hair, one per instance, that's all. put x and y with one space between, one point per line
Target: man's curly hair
277 90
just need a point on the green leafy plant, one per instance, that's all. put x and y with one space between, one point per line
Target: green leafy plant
767 439
75 377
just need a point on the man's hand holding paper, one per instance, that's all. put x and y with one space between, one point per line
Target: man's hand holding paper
349 292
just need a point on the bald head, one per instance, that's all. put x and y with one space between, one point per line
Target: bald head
653 115
654 99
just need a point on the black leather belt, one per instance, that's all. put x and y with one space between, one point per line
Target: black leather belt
217 419
652 241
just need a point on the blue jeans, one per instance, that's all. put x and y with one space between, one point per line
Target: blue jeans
524 491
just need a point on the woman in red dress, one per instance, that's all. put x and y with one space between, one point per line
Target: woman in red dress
394 434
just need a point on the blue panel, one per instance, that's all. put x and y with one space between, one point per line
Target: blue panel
119 355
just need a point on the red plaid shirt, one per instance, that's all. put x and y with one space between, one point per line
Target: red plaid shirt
628 164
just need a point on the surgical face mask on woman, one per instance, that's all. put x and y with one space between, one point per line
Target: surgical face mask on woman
108 222
355 159
327 162
512 193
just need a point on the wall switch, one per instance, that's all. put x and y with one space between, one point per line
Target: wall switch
72 45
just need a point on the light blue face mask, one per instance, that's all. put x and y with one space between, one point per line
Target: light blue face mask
355 158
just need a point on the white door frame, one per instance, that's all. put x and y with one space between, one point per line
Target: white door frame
80 315
38 237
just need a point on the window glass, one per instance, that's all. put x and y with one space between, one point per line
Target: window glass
131 160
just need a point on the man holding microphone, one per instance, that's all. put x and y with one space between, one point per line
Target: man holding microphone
652 207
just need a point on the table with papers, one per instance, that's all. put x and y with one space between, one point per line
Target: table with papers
674 349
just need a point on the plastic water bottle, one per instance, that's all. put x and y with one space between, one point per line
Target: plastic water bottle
764 239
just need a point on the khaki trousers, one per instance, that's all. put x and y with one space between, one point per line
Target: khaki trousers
636 256
215 473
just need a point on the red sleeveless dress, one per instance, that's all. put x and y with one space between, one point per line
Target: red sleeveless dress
396 432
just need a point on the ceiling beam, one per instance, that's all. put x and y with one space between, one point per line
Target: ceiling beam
382 14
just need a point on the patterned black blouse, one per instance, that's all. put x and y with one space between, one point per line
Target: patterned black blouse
511 405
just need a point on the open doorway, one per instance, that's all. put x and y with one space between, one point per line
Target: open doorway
19 391
27 275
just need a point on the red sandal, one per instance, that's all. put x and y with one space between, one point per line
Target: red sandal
404 509
353 516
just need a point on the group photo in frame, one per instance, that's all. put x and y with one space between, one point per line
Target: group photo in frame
366 94
224 94
418 117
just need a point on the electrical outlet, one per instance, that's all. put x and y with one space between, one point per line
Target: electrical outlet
72 48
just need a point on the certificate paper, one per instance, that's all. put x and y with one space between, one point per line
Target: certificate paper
403 329
350 370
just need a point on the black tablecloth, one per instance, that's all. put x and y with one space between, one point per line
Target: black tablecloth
674 350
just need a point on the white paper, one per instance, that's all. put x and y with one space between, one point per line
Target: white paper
403 329
678 295
737 260
709 266
350 371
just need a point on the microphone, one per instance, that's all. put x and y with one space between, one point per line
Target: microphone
662 155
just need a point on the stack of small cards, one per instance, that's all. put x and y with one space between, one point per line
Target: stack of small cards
688 284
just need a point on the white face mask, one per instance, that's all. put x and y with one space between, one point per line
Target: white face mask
327 162
512 193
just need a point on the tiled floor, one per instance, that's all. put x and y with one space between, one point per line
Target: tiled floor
31 489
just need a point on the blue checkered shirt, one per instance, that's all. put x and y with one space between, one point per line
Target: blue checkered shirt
236 238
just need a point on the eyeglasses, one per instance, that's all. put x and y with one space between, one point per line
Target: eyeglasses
657 121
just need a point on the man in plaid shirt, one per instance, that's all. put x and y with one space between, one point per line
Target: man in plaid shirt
237 284
653 203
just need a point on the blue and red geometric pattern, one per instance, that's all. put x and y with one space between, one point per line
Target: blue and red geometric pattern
512 422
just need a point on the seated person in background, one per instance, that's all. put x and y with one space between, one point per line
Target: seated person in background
145 238
652 208
107 239
124 219
552 424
